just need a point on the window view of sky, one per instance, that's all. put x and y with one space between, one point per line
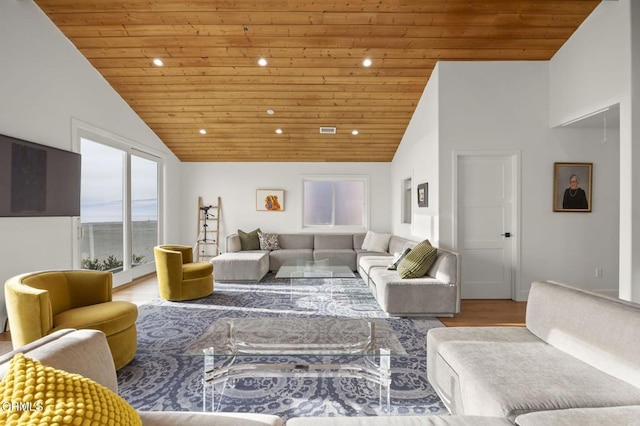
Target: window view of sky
102 185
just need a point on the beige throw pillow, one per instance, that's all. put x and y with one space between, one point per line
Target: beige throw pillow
374 241
366 241
418 261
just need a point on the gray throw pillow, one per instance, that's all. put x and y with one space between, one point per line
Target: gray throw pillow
268 241
396 260
249 240
418 261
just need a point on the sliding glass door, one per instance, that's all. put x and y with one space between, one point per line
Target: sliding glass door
144 210
119 212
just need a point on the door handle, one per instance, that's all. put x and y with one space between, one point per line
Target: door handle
506 235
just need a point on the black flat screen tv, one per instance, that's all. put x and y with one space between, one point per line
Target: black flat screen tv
38 180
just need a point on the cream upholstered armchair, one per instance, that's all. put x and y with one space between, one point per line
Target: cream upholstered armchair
179 277
40 303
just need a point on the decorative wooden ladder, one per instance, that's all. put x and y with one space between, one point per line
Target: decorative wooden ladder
207 242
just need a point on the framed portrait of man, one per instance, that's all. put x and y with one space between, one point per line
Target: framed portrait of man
572 187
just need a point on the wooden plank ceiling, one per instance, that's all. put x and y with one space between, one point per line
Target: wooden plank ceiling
211 79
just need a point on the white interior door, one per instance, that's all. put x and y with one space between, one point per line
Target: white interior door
486 224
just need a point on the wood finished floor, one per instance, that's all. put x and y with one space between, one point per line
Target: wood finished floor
473 313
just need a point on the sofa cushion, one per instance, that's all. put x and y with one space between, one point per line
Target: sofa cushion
619 416
241 266
268 241
398 244
194 270
366 262
59 397
593 328
507 371
85 352
296 241
414 296
400 420
333 241
418 261
249 240
445 267
278 257
346 257
173 418
109 317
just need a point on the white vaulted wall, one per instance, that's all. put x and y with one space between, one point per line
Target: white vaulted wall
417 158
45 84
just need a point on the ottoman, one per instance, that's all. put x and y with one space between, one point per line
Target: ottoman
241 266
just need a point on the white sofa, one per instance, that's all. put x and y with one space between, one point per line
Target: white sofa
86 352
577 361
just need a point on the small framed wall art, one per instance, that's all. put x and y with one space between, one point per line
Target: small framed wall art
270 200
572 187
423 195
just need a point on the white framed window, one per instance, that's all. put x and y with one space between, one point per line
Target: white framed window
335 203
120 216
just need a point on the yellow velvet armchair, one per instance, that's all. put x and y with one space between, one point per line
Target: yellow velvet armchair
179 277
40 303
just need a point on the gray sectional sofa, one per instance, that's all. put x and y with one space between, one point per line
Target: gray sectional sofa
436 293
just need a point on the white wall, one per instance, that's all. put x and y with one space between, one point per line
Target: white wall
236 184
417 158
630 235
44 84
592 71
503 106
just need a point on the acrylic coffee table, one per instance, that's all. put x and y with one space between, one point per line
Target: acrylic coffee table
236 348
325 268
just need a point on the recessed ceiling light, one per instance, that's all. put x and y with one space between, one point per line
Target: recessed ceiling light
270 112
202 131
367 62
354 132
279 131
158 62
262 62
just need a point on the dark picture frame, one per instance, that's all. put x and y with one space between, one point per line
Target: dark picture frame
423 195
572 183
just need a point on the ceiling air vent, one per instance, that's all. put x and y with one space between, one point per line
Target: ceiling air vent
328 130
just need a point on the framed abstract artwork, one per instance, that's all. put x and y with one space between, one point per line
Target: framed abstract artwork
270 200
572 187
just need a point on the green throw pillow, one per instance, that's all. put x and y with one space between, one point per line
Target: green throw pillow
418 261
249 240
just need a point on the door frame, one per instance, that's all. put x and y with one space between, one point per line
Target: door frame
516 241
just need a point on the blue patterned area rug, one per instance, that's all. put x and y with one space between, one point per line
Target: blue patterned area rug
163 376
